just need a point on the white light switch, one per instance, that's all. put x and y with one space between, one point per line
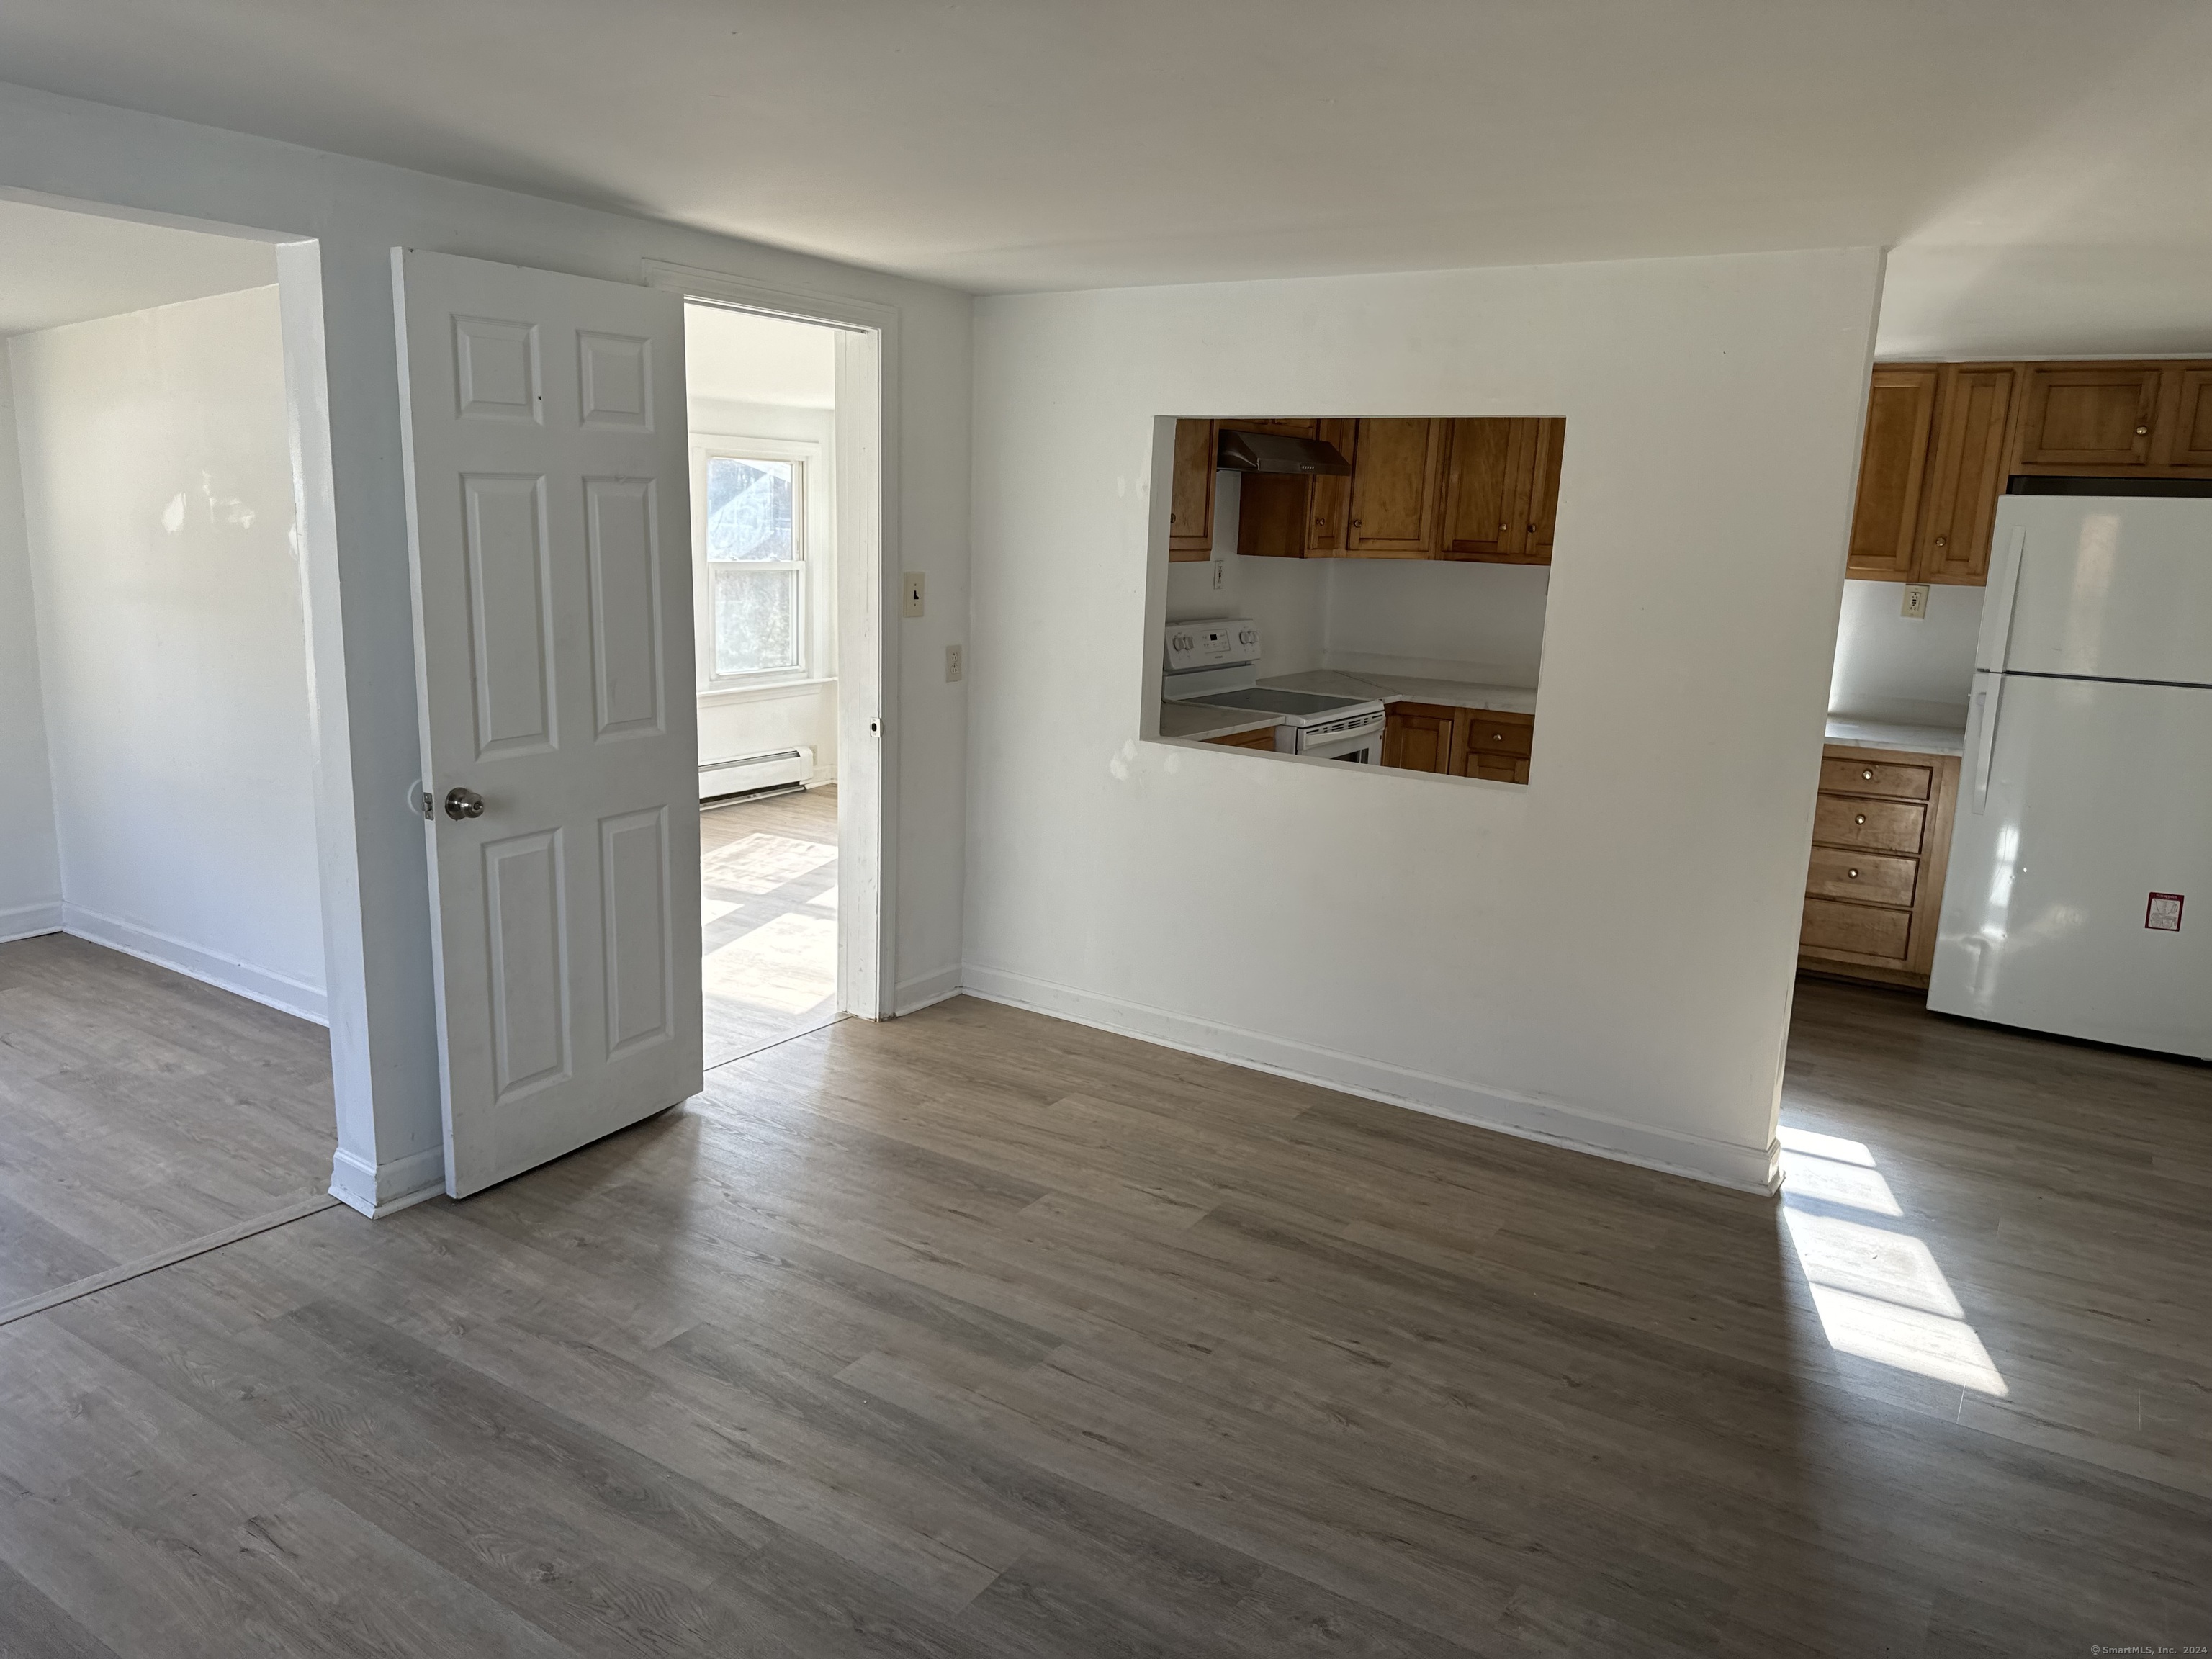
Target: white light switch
910 598
1916 599
1220 574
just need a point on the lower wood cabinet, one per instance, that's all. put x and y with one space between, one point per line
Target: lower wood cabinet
1263 739
1462 743
1873 884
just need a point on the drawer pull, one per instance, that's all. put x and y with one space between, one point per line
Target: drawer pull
1497 737
1860 819
1853 874
1867 774
2143 432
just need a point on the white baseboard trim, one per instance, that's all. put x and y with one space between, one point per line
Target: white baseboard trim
28 921
912 995
258 984
1746 1168
378 1189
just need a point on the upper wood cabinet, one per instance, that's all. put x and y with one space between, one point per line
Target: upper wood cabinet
1943 440
1501 490
1966 475
1892 472
2099 415
1190 505
1394 489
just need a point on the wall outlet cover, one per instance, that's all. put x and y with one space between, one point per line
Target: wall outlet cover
953 665
1916 599
910 594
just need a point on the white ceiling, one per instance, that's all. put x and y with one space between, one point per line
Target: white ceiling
58 267
2042 165
745 358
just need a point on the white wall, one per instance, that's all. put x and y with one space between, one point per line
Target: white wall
30 869
1889 666
340 345
1480 622
1605 956
157 487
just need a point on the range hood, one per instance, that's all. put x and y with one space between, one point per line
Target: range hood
1276 452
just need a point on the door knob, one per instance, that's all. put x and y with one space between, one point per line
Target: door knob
464 804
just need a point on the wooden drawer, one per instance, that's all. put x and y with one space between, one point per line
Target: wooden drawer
1846 776
1873 826
1262 738
1498 769
1857 930
1862 878
1490 732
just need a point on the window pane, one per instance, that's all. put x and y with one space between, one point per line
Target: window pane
748 509
756 620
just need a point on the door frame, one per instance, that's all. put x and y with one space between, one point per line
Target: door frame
866 479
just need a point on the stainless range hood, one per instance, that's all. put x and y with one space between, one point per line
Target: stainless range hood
1276 452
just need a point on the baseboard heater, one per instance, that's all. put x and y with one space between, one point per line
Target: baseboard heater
782 768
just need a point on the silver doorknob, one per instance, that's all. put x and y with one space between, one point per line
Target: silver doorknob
464 804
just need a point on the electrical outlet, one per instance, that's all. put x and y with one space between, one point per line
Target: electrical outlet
911 597
1220 574
953 666
1916 599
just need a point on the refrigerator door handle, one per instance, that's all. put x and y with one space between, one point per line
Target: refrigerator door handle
1988 691
2005 596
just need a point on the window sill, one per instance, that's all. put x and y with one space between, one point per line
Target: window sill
726 694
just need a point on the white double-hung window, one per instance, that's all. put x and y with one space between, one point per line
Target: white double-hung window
754 539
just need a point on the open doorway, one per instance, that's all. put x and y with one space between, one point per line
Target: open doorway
764 413
165 1074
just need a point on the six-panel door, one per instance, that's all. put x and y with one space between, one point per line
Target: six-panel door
545 450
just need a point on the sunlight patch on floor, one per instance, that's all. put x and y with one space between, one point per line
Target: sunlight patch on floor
1880 1293
761 862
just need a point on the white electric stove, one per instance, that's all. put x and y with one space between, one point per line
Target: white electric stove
1218 664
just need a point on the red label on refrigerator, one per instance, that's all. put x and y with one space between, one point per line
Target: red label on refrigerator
2163 913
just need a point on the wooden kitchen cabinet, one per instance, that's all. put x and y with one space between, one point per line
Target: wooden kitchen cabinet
1190 503
1873 882
1501 489
1394 489
1966 473
1262 738
2191 444
1493 744
1901 427
2098 416
1418 737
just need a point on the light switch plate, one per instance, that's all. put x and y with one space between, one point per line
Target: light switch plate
953 666
1916 599
910 595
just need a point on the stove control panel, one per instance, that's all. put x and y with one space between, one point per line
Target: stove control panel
1211 643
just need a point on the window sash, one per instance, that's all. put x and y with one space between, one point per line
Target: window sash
705 618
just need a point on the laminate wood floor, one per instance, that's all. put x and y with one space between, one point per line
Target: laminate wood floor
982 1334
768 905
140 1110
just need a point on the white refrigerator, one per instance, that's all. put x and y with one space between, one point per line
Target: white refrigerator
2079 895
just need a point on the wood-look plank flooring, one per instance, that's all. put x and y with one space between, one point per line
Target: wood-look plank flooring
140 1110
768 905
980 1334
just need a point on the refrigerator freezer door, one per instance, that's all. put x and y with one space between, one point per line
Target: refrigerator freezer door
2108 587
2099 797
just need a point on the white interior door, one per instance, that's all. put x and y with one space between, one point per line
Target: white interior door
545 438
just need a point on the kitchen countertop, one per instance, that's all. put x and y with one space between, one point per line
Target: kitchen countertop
1196 722
1405 688
1910 739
